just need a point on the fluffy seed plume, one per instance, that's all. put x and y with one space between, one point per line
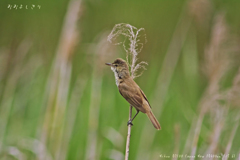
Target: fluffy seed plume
133 48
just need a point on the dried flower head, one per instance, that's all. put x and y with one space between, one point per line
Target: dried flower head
132 34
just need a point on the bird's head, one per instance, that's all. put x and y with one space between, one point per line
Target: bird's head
120 67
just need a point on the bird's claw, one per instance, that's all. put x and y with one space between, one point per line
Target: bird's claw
130 122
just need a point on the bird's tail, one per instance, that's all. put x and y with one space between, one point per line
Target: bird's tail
153 120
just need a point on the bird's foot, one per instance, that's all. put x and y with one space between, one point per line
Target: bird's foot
130 122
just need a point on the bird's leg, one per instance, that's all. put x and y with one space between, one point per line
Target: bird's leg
130 121
135 115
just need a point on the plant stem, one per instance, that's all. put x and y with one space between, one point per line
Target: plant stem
129 134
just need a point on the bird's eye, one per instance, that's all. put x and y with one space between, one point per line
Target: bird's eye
115 65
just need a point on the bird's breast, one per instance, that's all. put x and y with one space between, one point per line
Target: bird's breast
116 76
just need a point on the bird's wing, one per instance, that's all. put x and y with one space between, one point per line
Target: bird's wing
132 96
145 97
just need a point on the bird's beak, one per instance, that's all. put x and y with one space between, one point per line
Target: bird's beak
109 64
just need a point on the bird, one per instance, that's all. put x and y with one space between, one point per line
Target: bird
129 89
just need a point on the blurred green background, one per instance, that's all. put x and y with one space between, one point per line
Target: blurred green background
59 101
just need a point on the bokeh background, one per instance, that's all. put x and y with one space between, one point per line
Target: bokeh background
59 101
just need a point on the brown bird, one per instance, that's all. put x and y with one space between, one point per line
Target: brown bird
131 91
